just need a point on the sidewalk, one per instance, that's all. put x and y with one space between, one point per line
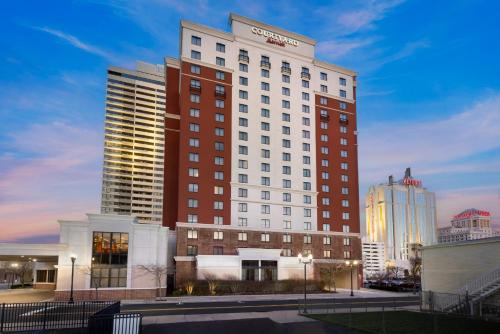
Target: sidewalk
341 293
25 295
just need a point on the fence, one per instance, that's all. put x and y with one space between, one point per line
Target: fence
121 323
51 315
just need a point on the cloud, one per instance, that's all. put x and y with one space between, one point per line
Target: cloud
48 172
365 16
335 49
77 43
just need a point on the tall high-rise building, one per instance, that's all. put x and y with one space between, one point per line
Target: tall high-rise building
470 224
134 142
266 142
401 214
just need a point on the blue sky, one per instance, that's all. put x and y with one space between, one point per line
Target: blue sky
429 92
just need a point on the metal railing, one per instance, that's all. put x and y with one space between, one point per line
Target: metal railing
51 315
121 323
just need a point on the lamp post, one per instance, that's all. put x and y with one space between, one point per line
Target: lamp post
73 259
351 264
305 260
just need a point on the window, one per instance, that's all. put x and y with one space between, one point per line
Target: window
193 187
323 101
192 234
285 91
324 89
218 250
327 253
219 132
285 143
192 203
219 75
243 94
192 219
343 141
194 98
327 240
218 235
305 84
242 178
345 228
219 146
193 172
306 147
306 134
195 54
345 215
265 181
194 112
195 40
343 117
265 126
219 117
265 153
285 104
264 86
266 223
306 160
287 224
194 142
324 150
325 175
195 69
266 195
324 138
307 199
110 254
265 209
305 109
265 140
343 129
307 226
218 205
323 76
326 214
344 178
264 99
285 117
242 236
285 78
343 165
264 73
287 211
45 276
220 61
192 250
242 207
218 220
305 96
343 93
347 254
264 113
347 241
325 201
243 108
219 103
194 157
326 227
287 238
243 67
324 163
307 212
243 122
220 90
307 239
243 136
343 105
325 188
306 185
219 175
345 191
342 82
218 190
287 156
243 81
243 222
265 237
286 252
243 164
287 170
323 125
306 121
285 130
219 47
287 183
195 83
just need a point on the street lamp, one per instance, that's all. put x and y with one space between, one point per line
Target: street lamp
73 259
351 264
305 260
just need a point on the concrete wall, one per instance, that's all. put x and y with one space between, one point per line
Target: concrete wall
448 267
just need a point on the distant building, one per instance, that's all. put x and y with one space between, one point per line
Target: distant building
400 214
373 257
470 224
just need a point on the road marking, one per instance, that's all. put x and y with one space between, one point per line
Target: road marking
38 311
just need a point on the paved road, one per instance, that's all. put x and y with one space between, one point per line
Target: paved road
266 305
247 326
25 295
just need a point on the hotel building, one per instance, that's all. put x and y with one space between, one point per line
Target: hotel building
261 161
373 258
134 143
470 224
402 215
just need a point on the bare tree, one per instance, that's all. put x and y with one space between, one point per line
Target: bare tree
20 270
234 283
94 280
158 271
393 271
212 282
327 275
415 270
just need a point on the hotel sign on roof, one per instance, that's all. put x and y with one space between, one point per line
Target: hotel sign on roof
274 38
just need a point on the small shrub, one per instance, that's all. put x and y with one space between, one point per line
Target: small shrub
189 287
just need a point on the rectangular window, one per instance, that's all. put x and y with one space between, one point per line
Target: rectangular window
219 117
285 91
287 211
265 126
219 47
285 117
192 219
287 197
195 54
285 104
218 190
192 203
266 195
243 108
265 113
195 98
305 109
243 67
193 172
218 205
323 76
218 235
342 82
285 143
347 241
243 122
287 183
243 81
219 104
266 223
287 156
264 86
265 140
242 178
243 136
323 101
195 69
345 215
219 132
195 40
220 61
305 96
343 105
264 99
218 220
285 78
243 164
242 236
265 153
307 212
344 178
264 73
243 94
218 250
194 142
287 170
265 237
192 250
265 167
242 207
326 227
265 181
307 226
307 239
242 192
305 84
194 112
324 89
327 253
343 93
192 234
110 254
194 157
287 238
306 121
219 146
193 187
265 209
219 175
219 75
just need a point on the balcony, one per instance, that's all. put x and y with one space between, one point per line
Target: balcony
286 70
265 64
243 58
305 75
220 94
343 121
324 118
196 89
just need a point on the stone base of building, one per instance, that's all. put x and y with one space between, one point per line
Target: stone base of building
44 286
107 294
